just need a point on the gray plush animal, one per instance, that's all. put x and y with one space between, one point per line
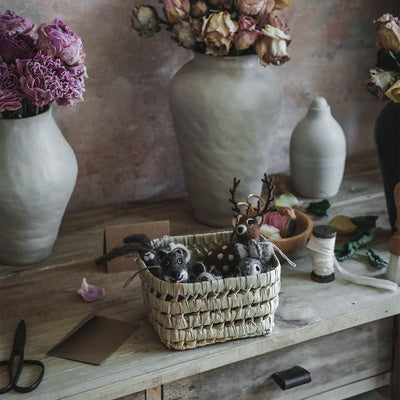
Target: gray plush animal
254 257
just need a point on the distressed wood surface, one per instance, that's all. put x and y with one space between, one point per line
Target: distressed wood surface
45 296
333 361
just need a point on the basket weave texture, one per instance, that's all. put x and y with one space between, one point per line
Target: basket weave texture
189 315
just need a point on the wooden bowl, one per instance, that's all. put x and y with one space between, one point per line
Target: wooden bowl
303 230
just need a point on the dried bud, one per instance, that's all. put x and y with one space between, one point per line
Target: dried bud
198 9
183 33
272 47
176 10
217 32
380 81
388 33
145 20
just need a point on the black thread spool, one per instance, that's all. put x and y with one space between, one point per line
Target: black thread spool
323 232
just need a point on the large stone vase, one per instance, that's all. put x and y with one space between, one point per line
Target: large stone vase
38 171
225 112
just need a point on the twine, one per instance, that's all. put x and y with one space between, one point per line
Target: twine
324 263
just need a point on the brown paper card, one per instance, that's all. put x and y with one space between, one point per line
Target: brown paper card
114 237
94 339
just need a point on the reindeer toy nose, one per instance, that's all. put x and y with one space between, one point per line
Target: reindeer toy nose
241 229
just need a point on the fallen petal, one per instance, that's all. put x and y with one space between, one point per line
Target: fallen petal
90 293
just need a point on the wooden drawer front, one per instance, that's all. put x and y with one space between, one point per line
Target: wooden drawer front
333 360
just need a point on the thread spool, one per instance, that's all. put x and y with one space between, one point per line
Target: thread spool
283 222
322 243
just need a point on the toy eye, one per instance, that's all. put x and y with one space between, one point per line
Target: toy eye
250 221
179 260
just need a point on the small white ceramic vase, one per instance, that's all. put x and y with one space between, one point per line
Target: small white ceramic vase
225 112
317 153
38 171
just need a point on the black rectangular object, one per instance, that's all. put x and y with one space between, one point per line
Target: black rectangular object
292 377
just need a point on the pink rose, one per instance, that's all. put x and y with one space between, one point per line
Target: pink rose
247 33
176 10
217 33
57 40
253 7
272 46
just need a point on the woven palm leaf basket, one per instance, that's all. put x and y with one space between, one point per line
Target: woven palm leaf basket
189 315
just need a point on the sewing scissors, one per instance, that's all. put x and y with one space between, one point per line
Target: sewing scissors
14 372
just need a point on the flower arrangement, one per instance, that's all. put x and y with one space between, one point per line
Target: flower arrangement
384 79
38 65
221 27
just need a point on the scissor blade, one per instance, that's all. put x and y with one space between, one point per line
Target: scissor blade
20 337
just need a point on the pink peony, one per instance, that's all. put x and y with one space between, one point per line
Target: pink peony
12 23
57 40
16 46
41 78
10 93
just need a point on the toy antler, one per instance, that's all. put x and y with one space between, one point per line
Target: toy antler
269 181
232 199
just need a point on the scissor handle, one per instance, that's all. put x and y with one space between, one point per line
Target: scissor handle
14 378
34 385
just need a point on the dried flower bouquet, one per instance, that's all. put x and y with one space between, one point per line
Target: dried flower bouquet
221 27
384 79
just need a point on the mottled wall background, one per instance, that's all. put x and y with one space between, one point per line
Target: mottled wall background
122 134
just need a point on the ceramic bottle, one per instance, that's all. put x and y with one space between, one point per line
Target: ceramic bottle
317 152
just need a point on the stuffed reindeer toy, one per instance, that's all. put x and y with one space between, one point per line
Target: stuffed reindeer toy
248 252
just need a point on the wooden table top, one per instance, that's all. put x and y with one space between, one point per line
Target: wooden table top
45 296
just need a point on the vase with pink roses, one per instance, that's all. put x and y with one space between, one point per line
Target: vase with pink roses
225 106
38 168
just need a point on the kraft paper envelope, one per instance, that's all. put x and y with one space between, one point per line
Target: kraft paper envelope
94 339
114 237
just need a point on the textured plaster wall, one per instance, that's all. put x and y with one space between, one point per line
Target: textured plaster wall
122 134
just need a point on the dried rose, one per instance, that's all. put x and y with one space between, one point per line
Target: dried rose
393 93
380 81
176 10
198 9
247 33
282 3
217 32
12 23
183 33
221 3
388 33
145 20
10 92
58 40
90 293
16 46
253 7
274 19
272 47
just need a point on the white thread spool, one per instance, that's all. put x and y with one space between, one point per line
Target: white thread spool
322 243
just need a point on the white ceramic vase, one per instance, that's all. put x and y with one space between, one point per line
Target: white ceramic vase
225 112
317 152
38 171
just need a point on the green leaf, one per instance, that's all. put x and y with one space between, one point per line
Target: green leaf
375 260
362 235
319 208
